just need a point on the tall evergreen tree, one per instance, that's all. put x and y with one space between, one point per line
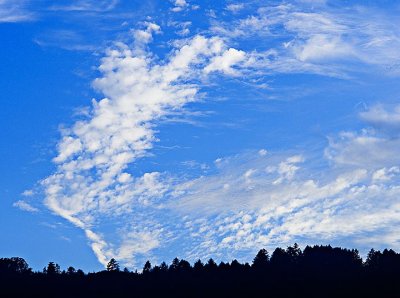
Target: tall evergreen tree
112 265
147 267
261 260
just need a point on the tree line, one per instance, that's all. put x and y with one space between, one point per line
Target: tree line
316 271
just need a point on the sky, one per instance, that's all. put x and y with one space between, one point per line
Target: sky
148 130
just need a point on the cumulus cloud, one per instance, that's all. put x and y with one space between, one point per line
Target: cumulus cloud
179 5
25 206
92 182
145 36
224 62
182 5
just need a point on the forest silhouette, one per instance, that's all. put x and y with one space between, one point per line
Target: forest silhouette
316 271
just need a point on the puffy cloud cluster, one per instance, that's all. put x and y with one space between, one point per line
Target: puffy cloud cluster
92 181
179 5
143 37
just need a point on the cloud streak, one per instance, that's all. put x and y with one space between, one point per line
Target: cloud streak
87 5
14 11
25 206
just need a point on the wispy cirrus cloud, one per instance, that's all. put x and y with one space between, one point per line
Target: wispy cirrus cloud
299 38
86 5
65 39
14 11
25 206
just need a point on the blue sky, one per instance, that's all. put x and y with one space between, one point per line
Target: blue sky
196 129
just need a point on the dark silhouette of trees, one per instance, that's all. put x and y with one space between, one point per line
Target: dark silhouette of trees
316 271
52 269
112 265
174 265
211 265
163 267
126 270
261 260
13 265
198 266
71 270
147 267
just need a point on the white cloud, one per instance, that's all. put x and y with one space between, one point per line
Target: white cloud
250 201
320 47
385 174
13 11
318 41
92 183
385 118
179 5
242 28
235 7
375 147
321 37
143 37
88 5
367 149
262 152
65 39
288 168
25 206
28 193
337 203
182 26
226 61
